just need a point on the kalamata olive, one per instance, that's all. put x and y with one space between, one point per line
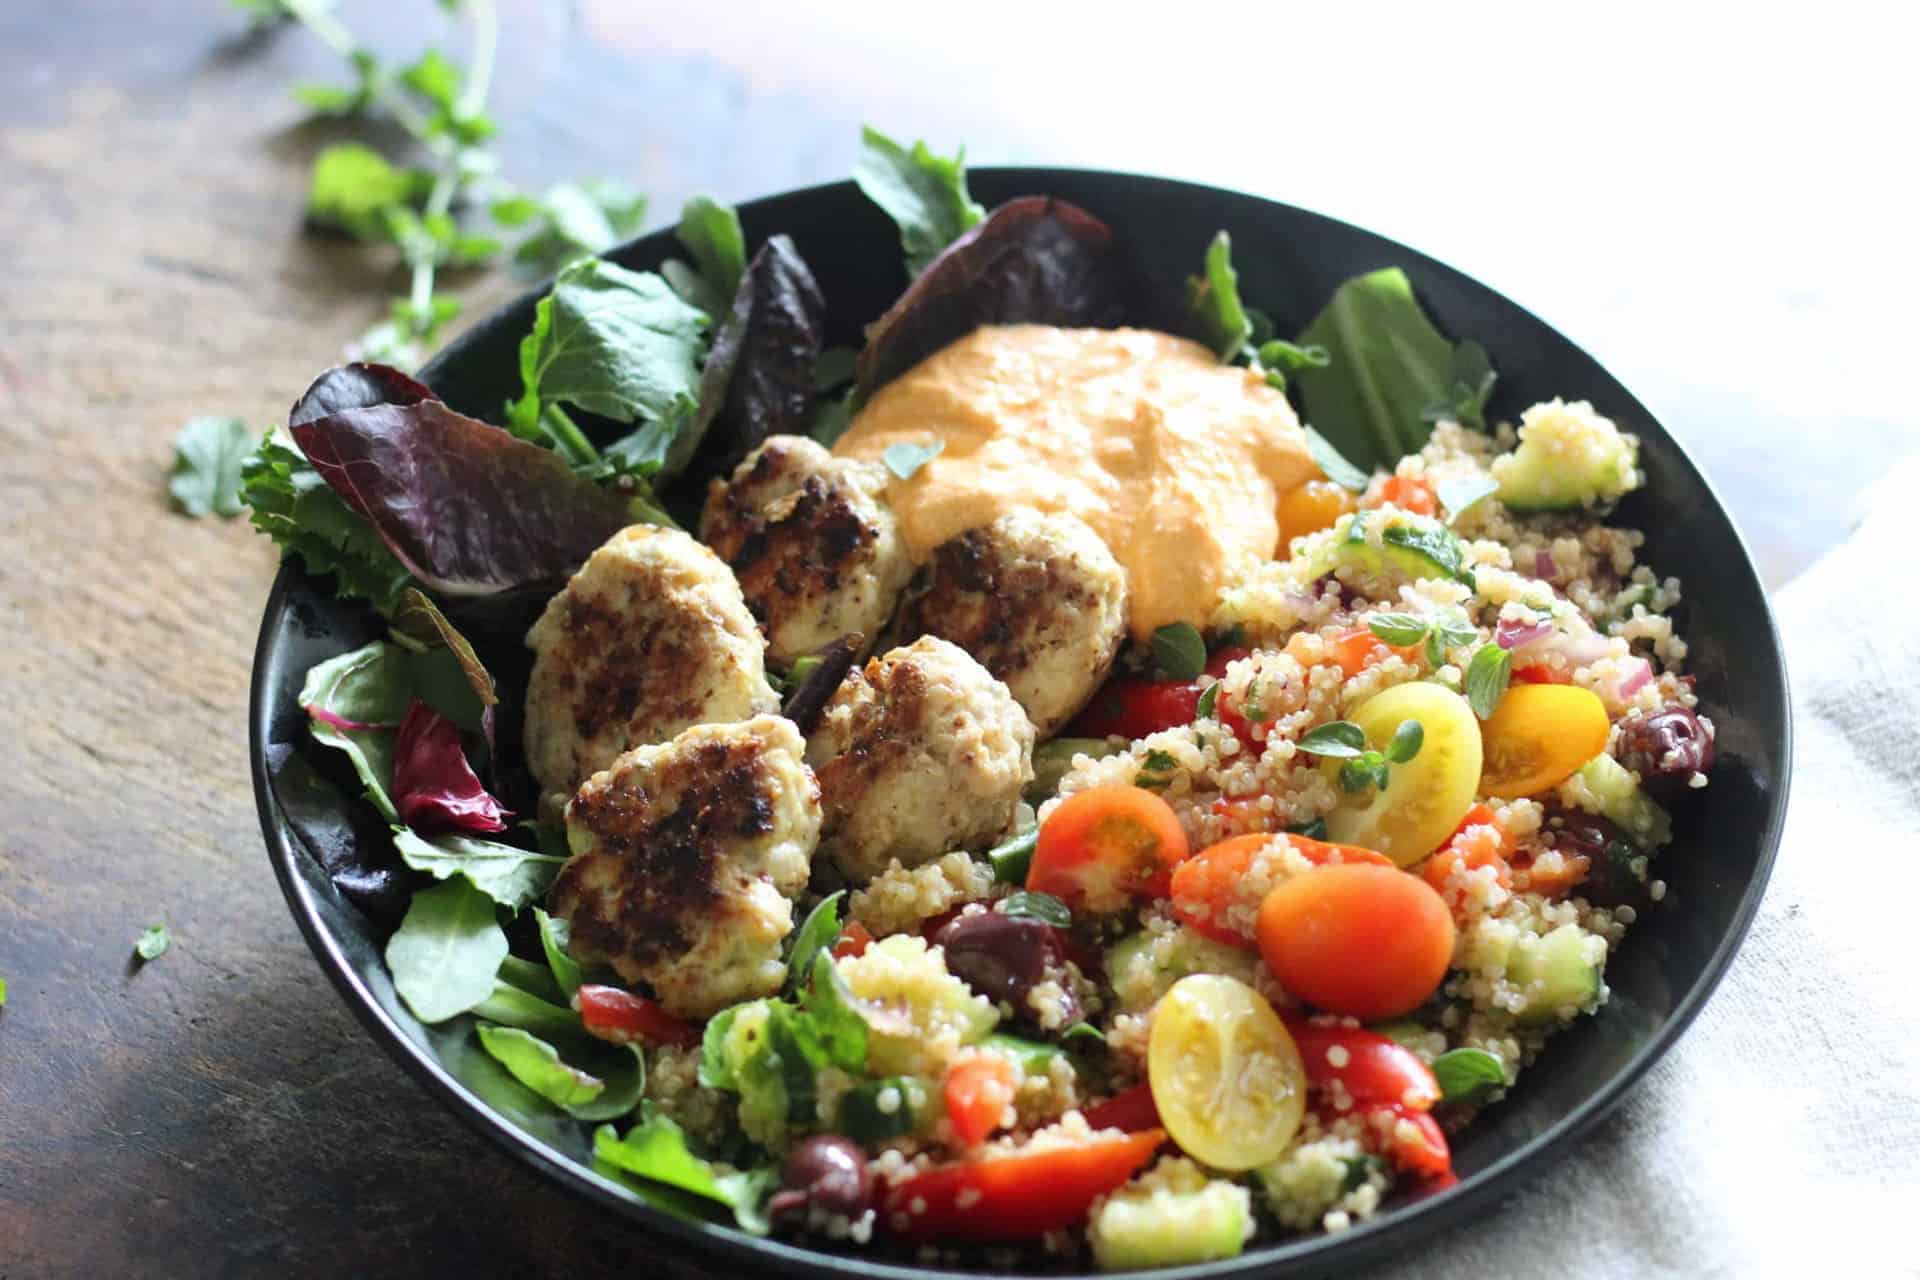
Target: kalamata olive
827 1171
1005 957
1611 857
1665 747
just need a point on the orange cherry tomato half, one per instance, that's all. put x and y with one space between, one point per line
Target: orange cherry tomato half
1207 887
1367 941
1103 848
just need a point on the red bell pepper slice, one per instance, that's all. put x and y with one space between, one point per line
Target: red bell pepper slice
624 1018
1014 1197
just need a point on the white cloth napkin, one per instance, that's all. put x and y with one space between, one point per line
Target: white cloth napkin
1781 1136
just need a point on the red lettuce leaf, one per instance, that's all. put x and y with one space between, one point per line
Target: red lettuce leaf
434 788
464 506
1035 260
759 376
356 386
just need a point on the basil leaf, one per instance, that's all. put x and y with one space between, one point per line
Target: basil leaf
710 232
617 343
815 935
510 1006
553 941
444 955
1179 651
152 942
1332 464
511 877
1044 907
207 457
1399 629
656 1150
582 1094
1458 493
1339 739
1388 364
1313 830
1012 859
904 458
356 701
1487 678
1468 1075
1209 696
1406 742
924 194
1213 301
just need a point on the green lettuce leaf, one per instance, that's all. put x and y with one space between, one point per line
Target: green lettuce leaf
511 877
362 696
571 221
445 953
513 1006
554 941
710 232
289 502
584 1094
1213 302
1388 366
656 1150
924 194
816 934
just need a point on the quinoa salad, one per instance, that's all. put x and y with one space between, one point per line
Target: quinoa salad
1031 792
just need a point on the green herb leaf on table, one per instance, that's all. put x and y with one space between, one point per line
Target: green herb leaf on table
904 458
354 187
1406 742
554 941
617 343
1388 364
817 933
152 943
511 877
1179 651
571 220
355 701
1335 467
1487 677
1458 493
1468 1075
656 1150
446 951
1213 301
1398 629
1029 905
924 194
1337 739
710 233
207 457
3 993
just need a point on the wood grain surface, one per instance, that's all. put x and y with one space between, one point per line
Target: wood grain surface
218 1111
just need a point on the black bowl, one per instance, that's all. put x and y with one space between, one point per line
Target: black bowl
1289 262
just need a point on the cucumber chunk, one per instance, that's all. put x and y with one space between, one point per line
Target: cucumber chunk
1605 786
1172 1215
1559 974
1568 457
1389 547
887 1108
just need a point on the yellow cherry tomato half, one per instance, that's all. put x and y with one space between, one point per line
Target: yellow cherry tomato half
1537 736
1226 1077
1425 797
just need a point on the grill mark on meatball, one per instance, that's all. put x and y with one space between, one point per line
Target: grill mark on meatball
885 727
973 599
667 862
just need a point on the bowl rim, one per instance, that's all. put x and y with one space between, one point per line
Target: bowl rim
1370 1239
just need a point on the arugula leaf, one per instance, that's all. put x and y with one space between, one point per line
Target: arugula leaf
533 978
1213 301
356 701
710 233
617 343
512 1006
207 457
1179 651
353 187
1458 493
924 194
582 1094
1468 1075
1387 365
289 502
1335 467
152 943
1044 907
656 1150
1338 739
1398 629
553 942
904 457
571 220
816 934
444 955
1487 677
1406 742
511 877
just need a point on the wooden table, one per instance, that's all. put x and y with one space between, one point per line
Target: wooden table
1725 247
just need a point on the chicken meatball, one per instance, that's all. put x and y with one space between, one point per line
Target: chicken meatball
649 637
813 542
1037 598
919 752
686 858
